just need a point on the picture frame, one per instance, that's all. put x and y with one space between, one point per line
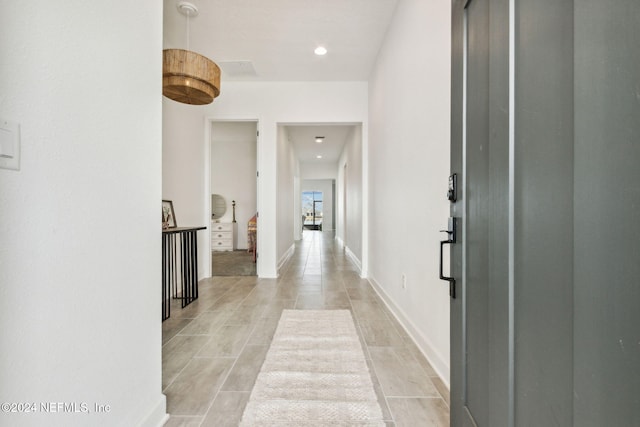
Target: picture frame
168 215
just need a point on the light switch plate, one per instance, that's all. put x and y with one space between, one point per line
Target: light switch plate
9 145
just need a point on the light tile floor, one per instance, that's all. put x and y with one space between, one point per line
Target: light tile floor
213 349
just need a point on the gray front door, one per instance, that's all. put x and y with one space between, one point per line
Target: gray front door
478 212
479 318
545 139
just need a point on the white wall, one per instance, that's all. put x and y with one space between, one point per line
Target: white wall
233 172
326 187
409 164
297 203
270 103
318 170
183 171
287 171
80 239
351 232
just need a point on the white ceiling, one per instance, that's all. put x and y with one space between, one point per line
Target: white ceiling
277 38
303 138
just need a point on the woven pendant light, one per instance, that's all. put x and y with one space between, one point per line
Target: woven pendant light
189 77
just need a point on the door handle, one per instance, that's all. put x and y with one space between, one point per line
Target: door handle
452 239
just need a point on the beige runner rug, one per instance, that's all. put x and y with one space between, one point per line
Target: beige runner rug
314 374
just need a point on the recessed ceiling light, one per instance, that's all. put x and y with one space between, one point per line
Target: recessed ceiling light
320 50
319 139
318 157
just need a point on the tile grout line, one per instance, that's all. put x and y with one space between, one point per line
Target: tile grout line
373 368
192 357
244 346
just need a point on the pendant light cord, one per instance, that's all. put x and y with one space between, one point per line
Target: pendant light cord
188 30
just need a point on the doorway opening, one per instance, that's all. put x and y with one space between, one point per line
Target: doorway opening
312 210
234 197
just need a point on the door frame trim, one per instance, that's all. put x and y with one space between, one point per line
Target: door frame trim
511 215
465 54
208 123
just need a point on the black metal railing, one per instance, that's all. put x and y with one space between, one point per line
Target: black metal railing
179 270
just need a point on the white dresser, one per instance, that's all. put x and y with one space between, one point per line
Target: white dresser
222 236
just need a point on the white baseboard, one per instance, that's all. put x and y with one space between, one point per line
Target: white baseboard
283 260
158 416
439 364
354 259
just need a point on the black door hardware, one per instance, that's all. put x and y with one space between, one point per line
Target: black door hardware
451 234
452 191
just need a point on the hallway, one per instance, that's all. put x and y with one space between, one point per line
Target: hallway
214 348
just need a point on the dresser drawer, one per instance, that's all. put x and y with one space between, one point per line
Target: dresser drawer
221 245
226 235
222 236
221 226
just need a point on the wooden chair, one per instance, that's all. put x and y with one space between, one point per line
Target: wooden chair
252 232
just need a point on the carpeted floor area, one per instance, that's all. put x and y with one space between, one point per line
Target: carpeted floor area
236 263
314 374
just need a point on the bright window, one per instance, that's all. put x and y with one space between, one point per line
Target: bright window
312 210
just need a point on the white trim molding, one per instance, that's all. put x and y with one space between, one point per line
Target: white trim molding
283 260
354 259
158 416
